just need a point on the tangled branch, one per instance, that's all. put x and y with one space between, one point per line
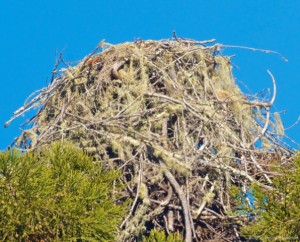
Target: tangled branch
170 116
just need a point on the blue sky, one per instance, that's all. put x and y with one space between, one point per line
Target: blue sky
32 32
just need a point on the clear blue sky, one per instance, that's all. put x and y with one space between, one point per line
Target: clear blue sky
33 31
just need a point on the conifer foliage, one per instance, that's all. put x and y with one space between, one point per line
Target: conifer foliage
160 236
278 210
56 194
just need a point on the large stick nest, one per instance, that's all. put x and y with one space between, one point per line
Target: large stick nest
170 116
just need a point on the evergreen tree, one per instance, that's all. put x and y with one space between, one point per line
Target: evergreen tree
278 210
57 194
160 236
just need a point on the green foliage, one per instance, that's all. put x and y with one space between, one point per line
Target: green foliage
278 210
160 236
59 194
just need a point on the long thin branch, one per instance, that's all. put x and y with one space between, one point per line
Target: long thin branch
183 200
255 49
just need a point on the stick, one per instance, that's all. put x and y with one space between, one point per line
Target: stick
183 200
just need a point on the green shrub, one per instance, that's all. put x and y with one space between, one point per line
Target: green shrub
160 236
278 210
59 194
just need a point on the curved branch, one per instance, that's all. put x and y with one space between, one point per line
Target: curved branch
116 67
274 88
263 131
166 200
263 104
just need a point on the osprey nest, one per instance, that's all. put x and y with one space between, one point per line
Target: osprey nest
169 115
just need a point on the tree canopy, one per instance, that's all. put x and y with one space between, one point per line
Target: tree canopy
57 194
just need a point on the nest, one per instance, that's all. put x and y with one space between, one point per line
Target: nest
169 115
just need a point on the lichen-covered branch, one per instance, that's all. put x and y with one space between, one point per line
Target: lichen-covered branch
169 115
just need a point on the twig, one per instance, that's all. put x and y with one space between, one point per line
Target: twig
207 198
57 63
135 199
255 49
294 124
